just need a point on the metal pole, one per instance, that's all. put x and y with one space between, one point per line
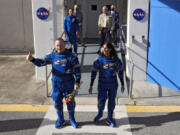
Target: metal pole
131 79
46 83
54 19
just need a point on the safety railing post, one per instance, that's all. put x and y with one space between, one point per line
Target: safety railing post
46 81
130 69
131 80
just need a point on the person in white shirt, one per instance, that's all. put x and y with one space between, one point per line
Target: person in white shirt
105 26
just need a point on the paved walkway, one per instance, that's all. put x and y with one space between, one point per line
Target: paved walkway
130 120
85 115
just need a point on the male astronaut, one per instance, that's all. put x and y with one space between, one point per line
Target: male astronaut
64 66
71 29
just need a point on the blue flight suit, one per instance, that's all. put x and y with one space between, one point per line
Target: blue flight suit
71 26
107 83
64 67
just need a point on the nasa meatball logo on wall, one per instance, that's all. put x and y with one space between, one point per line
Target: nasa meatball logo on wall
139 14
42 13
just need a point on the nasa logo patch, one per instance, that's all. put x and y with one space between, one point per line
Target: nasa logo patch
138 14
42 13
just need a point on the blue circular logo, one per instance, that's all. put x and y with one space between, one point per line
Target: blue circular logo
42 13
138 14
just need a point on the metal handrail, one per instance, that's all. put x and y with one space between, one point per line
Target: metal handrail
131 75
46 82
123 42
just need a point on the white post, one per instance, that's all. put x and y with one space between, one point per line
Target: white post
44 31
60 16
137 36
54 19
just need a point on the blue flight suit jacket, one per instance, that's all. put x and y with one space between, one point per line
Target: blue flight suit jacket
64 66
108 69
71 26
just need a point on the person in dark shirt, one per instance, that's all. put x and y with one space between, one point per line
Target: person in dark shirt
79 17
115 16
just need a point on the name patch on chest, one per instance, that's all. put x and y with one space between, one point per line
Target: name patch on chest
57 62
110 65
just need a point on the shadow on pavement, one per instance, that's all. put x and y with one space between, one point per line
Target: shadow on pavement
19 124
152 121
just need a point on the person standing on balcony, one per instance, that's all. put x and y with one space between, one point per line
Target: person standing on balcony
71 29
108 65
105 26
79 17
115 16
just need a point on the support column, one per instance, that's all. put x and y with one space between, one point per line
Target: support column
137 39
44 31
60 9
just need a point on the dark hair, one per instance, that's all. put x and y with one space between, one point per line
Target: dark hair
113 53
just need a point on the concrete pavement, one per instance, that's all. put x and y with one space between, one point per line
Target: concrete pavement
130 120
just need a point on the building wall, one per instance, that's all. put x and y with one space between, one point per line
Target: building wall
16 25
163 56
60 16
90 18
45 31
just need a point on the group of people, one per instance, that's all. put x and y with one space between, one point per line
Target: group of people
66 76
108 25
73 27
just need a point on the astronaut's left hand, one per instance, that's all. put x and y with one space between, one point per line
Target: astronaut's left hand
122 88
76 86
77 33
